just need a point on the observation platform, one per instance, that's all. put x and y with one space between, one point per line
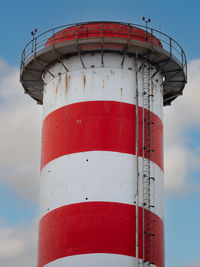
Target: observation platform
58 43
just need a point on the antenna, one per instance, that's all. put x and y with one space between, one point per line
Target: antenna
33 35
146 22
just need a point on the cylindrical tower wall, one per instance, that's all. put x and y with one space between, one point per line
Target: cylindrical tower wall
88 198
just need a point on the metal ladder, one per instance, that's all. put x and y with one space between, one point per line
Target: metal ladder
148 179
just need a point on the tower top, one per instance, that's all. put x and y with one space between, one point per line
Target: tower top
125 38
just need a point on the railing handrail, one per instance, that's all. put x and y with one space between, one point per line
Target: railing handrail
36 43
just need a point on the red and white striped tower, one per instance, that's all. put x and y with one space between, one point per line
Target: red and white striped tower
102 86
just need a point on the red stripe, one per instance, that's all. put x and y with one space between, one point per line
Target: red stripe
98 126
97 227
105 29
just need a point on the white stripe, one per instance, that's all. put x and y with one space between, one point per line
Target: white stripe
108 83
97 260
96 176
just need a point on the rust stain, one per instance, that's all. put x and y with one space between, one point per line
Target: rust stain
121 89
107 77
152 87
84 81
59 80
112 72
67 81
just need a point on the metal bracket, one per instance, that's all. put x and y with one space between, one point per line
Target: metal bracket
146 57
64 66
39 61
176 81
168 71
161 61
172 76
59 59
126 47
154 58
79 54
160 67
30 80
124 52
32 70
78 48
29 71
173 97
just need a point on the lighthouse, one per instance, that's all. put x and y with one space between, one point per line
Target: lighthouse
103 86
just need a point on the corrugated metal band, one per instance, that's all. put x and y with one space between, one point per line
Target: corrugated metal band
98 126
97 227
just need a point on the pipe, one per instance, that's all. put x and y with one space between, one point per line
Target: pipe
137 176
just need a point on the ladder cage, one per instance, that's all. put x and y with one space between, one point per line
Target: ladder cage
148 179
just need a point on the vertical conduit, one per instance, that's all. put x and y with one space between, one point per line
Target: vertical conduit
137 182
143 222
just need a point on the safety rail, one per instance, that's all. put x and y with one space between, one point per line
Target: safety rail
75 31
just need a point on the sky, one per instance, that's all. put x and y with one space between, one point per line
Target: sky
20 120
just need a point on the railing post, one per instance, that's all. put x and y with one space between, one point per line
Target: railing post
76 35
182 56
170 46
23 56
151 36
35 45
186 68
53 38
32 46
128 32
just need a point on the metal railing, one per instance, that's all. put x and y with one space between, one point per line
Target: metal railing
75 31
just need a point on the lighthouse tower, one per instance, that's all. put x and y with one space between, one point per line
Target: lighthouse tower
103 86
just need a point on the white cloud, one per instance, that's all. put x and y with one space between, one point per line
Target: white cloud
18 246
180 118
20 120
